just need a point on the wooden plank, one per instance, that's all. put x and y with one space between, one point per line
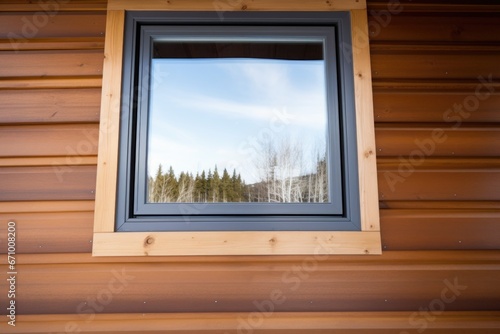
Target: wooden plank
49 161
20 27
433 8
450 48
36 44
51 83
70 140
107 164
223 6
235 243
462 185
433 163
434 66
50 106
47 183
438 141
51 63
466 27
61 288
52 7
427 260
474 322
50 232
419 229
454 204
411 107
365 133
403 229
46 206
433 85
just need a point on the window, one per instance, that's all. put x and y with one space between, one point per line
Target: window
235 136
210 95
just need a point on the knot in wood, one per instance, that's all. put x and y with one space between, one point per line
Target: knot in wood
148 241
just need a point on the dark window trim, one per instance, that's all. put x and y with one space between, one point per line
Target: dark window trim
193 216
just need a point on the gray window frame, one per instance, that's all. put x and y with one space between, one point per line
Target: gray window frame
141 29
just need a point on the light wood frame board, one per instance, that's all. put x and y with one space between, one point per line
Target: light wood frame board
107 242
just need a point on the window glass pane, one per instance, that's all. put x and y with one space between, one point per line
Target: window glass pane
237 122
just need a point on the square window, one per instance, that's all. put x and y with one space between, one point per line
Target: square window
236 134
272 104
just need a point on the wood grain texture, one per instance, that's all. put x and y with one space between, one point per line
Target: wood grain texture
472 185
449 27
403 229
433 7
424 260
440 229
36 44
51 232
55 140
52 6
50 83
236 243
412 85
446 163
50 106
107 164
69 160
47 183
344 283
51 63
448 48
222 6
434 66
19 27
448 204
434 107
438 140
46 206
296 322
365 133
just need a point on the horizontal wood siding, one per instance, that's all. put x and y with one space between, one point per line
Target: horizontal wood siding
437 112
50 106
43 140
341 283
18 27
431 107
478 27
57 182
293 322
436 104
51 63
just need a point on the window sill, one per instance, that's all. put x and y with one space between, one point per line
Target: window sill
235 243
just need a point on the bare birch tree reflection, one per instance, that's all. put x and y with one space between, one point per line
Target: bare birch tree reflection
286 174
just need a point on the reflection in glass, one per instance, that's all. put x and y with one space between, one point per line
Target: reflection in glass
237 122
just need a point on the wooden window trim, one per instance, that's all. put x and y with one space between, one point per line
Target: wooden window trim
109 243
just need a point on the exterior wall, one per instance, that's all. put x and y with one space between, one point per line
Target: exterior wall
437 111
